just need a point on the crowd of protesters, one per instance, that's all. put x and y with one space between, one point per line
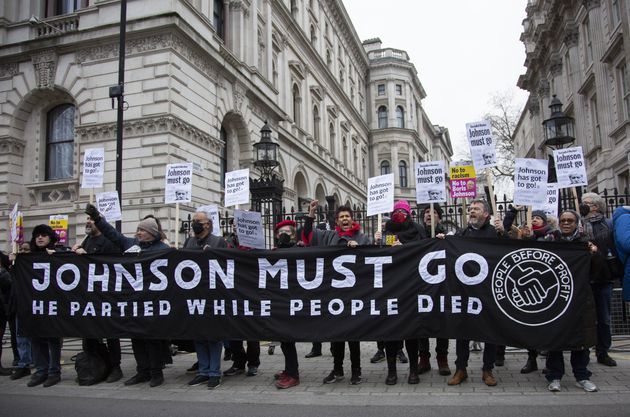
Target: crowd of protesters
607 243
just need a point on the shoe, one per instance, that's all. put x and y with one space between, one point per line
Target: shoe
379 356
313 354
252 371
115 375
287 382
586 385
198 380
137 379
424 365
193 369
413 378
460 376
333 377
156 380
476 347
20 373
36 380
355 378
530 366
488 378
52 380
554 386
499 361
271 350
401 357
392 378
279 375
443 368
5 371
606 360
227 356
213 382
545 371
233 371
15 362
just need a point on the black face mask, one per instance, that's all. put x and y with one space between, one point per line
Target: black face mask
197 227
284 240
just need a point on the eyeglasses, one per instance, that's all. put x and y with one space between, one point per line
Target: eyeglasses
567 221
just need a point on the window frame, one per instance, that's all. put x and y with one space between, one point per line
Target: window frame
52 144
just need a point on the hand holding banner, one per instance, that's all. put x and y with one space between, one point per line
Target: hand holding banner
380 194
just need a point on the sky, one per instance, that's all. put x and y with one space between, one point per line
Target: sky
464 51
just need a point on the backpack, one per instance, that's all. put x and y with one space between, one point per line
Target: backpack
92 366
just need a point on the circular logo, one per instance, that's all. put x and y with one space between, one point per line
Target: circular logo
532 286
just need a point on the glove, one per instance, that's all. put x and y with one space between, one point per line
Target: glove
92 211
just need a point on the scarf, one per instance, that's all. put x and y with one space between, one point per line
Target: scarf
405 231
355 228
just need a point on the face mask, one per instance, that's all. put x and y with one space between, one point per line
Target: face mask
197 227
399 217
284 240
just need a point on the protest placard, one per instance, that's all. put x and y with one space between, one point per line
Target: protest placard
430 182
178 183
249 229
236 187
59 223
463 181
530 182
482 145
93 168
213 213
109 205
570 167
551 206
380 194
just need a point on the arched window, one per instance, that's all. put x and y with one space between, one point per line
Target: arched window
344 145
400 117
385 168
296 104
224 154
382 117
316 122
328 59
60 142
313 37
402 173
333 135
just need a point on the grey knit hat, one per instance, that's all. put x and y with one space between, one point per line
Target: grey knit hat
150 225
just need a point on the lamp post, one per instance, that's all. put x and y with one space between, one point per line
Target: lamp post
266 191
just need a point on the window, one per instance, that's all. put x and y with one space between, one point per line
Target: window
597 138
316 121
398 89
382 117
296 104
294 9
402 173
385 168
381 89
333 136
400 117
328 59
274 70
341 79
588 43
352 94
615 13
60 142
313 37
218 18
59 7
344 145
569 72
624 89
224 153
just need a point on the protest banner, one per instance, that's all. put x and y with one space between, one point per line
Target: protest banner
570 167
236 187
430 182
463 181
59 223
249 229
510 292
530 181
550 208
178 183
482 145
108 205
380 194
93 170
213 213
16 228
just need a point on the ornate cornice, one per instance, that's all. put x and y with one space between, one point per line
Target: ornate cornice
151 43
149 126
12 146
555 64
238 93
543 88
8 70
533 105
45 63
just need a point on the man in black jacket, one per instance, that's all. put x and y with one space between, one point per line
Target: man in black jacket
478 226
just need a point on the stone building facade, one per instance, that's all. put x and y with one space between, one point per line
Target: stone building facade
201 79
579 51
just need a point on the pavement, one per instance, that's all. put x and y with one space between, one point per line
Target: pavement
513 390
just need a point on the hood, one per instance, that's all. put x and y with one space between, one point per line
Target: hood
619 211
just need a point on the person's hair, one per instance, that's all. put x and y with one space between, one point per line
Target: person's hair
597 200
208 216
572 212
484 203
344 208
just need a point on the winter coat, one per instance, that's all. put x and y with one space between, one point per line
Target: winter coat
621 226
330 237
125 242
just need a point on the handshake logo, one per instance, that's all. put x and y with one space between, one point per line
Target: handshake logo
532 286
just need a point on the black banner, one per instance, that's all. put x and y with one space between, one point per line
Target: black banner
527 294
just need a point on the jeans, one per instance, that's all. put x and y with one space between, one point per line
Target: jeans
339 352
47 355
441 346
462 349
290 359
579 363
209 357
603 296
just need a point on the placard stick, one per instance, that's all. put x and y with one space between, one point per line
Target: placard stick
529 217
14 247
493 201
432 221
379 224
176 223
92 195
577 200
464 214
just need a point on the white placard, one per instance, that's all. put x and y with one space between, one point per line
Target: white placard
430 182
380 194
570 167
93 168
178 183
530 181
236 187
551 206
213 212
249 229
109 206
13 216
482 145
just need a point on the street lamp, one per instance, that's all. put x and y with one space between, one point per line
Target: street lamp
266 153
558 128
